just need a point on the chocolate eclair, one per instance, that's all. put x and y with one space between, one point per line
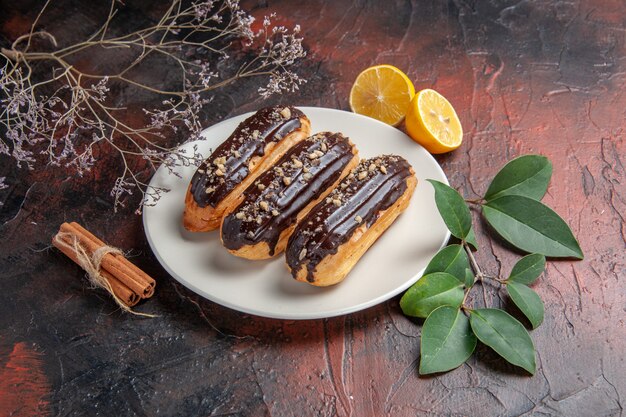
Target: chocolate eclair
332 237
256 144
259 225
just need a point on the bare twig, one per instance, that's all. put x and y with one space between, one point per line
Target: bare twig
66 125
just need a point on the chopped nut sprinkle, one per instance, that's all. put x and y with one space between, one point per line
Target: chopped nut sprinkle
307 176
329 200
319 153
313 155
337 202
383 169
264 205
209 190
286 113
221 167
240 215
219 161
261 187
297 163
237 154
358 219
302 254
323 147
275 213
362 175
219 172
286 180
256 134
372 167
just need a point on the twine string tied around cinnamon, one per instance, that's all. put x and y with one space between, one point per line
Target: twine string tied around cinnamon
92 265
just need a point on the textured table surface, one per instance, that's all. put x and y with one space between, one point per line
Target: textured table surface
544 77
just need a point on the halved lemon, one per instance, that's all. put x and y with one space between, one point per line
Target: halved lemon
382 92
432 122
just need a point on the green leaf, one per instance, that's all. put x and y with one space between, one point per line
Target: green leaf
451 259
531 226
528 301
453 210
527 175
432 291
471 239
447 340
507 336
469 278
527 269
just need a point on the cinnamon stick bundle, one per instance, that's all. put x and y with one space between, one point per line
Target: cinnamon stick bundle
106 266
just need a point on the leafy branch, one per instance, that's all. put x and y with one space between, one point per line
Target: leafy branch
63 112
512 207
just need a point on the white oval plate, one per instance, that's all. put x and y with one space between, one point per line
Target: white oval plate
265 288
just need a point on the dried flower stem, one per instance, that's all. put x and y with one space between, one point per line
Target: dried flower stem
65 113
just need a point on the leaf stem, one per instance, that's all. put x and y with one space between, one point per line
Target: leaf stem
463 306
499 280
475 267
477 201
477 272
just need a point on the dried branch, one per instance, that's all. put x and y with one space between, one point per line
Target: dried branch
65 114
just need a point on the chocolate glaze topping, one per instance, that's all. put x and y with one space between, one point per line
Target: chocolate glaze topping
373 186
274 200
227 166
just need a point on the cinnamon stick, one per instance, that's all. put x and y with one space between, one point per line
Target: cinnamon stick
107 267
116 265
140 275
120 290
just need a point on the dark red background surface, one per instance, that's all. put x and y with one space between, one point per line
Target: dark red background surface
525 77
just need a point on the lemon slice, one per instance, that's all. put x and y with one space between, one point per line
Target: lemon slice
432 122
382 92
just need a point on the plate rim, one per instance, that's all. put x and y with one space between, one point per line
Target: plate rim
290 316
